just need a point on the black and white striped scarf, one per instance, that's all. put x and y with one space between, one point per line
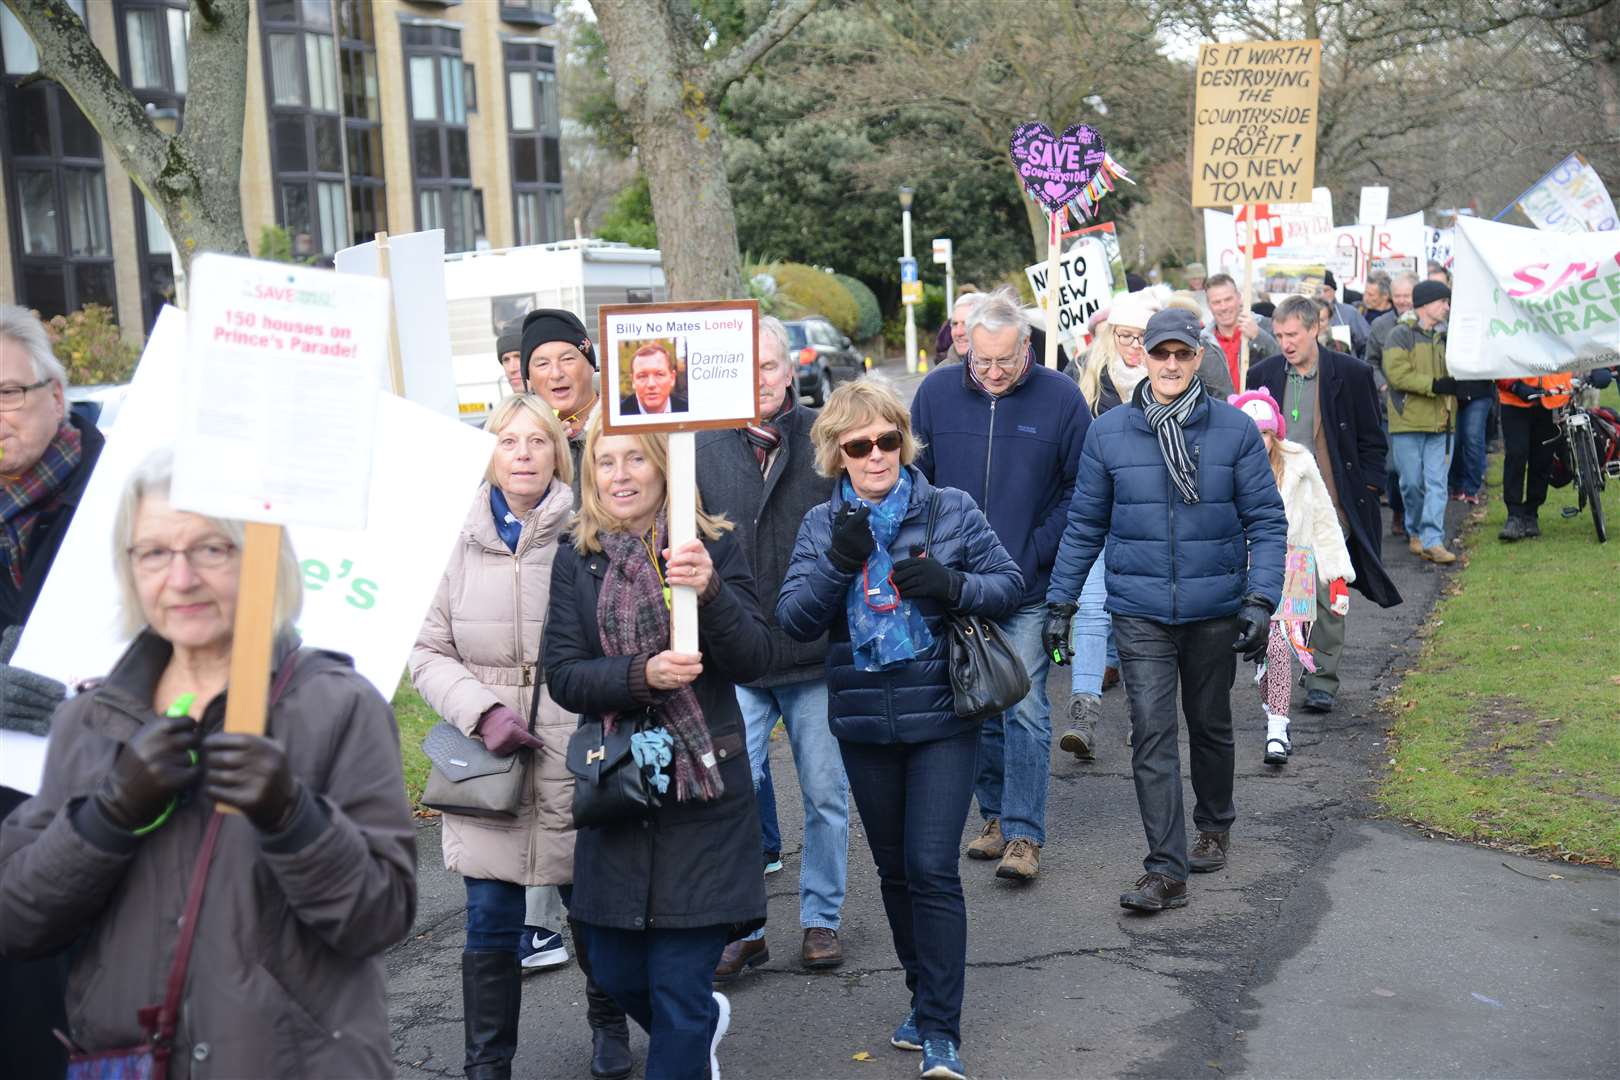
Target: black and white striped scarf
1166 421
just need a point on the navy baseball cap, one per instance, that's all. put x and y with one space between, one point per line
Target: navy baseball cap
1172 324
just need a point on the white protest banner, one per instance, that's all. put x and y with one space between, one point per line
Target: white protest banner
1374 206
421 312
1305 230
1570 198
1392 241
1084 286
280 392
1529 302
1254 122
679 367
365 593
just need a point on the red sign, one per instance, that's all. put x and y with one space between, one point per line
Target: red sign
1268 228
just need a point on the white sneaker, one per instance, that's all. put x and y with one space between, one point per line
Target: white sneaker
721 1023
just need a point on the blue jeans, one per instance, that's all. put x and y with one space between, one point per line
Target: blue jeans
824 863
770 833
914 800
1468 462
495 912
1092 636
664 980
1423 460
1015 748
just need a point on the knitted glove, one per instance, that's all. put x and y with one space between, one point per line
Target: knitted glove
27 700
852 541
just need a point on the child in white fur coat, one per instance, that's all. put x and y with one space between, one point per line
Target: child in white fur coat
1313 526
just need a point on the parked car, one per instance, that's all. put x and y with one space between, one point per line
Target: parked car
824 357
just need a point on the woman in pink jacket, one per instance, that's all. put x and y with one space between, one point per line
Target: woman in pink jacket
474 663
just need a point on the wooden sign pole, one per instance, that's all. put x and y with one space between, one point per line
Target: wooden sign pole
1248 300
396 366
683 527
1054 255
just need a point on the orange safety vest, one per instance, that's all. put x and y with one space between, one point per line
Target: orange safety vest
1549 383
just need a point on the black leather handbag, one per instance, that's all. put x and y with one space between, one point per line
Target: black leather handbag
987 677
609 787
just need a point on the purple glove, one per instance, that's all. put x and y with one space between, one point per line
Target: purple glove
504 732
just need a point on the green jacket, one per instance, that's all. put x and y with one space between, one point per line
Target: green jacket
1413 359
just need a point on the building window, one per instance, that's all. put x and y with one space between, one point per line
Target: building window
306 123
362 119
534 138
152 48
529 12
440 157
56 187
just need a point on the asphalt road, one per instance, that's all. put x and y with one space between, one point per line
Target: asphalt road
1332 945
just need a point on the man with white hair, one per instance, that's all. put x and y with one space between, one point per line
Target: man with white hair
46 457
957 349
1008 431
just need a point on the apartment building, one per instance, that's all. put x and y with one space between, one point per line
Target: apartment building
362 116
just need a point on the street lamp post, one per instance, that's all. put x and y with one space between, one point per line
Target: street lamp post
911 309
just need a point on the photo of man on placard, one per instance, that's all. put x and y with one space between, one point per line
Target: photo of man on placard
655 380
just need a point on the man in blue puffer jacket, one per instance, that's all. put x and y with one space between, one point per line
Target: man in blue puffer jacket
1008 432
1180 489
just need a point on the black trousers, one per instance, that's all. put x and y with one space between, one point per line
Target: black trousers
1527 456
1155 659
32 994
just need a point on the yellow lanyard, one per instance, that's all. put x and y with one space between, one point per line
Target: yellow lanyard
652 557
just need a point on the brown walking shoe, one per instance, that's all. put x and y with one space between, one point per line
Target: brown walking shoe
1414 545
1022 861
1439 554
988 844
821 949
1155 892
1209 853
739 956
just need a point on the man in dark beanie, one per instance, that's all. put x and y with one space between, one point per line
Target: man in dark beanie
509 351
561 368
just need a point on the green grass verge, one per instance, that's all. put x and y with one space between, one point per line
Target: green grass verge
1508 730
415 718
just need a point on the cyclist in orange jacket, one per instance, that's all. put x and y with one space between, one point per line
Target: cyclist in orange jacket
1528 435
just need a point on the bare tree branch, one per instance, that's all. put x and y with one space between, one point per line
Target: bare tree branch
735 64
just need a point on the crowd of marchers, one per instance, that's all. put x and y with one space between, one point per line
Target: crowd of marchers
1200 488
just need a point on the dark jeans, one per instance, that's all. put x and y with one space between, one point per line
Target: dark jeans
1153 658
665 980
769 831
1527 456
1468 462
495 911
914 800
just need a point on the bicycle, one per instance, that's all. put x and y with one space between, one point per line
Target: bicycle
1590 450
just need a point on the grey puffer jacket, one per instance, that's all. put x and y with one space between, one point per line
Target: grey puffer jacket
286 979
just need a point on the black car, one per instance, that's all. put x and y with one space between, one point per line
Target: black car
822 357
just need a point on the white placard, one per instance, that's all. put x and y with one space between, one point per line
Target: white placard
679 367
1306 231
1570 198
1439 244
1374 206
366 593
1380 247
1532 302
421 313
942 250
279 399
1084 286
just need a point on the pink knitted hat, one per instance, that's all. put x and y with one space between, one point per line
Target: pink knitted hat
1262 408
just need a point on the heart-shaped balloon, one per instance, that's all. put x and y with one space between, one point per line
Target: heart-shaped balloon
1056 168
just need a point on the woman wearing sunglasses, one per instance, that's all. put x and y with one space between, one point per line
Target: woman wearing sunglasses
867 571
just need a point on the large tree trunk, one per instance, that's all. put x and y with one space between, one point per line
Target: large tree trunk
669 88
193 178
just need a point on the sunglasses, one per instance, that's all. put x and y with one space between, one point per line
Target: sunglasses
1180 356
888 442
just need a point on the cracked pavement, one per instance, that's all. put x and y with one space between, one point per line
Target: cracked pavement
1332 944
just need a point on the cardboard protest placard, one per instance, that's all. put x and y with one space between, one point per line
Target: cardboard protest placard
1374 206
1305 231
1532 302
1379 247
1254 122
279 400
365 592
1084 286
421 313
679 366
1570 198
1105 234
1438 244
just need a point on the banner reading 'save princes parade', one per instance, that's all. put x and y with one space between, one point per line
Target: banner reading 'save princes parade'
1528 302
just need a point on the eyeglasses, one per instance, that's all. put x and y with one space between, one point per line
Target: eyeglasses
12 397
982 367
207 556
888 442
1127 338
1180 356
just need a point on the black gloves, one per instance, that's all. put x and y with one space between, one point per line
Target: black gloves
1254 627
27 700
1055 632
250 773
1444 386
151 769
918 578
1525 392
851 537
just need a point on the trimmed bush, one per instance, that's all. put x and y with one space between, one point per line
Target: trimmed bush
869 321
816 292
90 347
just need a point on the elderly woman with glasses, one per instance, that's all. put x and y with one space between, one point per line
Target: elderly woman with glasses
309 881
870 571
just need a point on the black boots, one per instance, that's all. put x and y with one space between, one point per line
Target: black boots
491 991
610 1035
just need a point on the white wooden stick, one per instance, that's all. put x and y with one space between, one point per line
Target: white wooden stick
1054 252
683 527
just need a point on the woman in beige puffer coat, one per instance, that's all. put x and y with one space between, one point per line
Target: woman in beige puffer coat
474 664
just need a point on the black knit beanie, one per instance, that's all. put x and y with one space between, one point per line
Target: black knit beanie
555 324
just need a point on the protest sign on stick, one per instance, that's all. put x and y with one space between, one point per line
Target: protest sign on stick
1072 171
1570 198
673 369
1254 122
420 359
1083 285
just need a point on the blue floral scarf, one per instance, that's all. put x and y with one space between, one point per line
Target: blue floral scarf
884 629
